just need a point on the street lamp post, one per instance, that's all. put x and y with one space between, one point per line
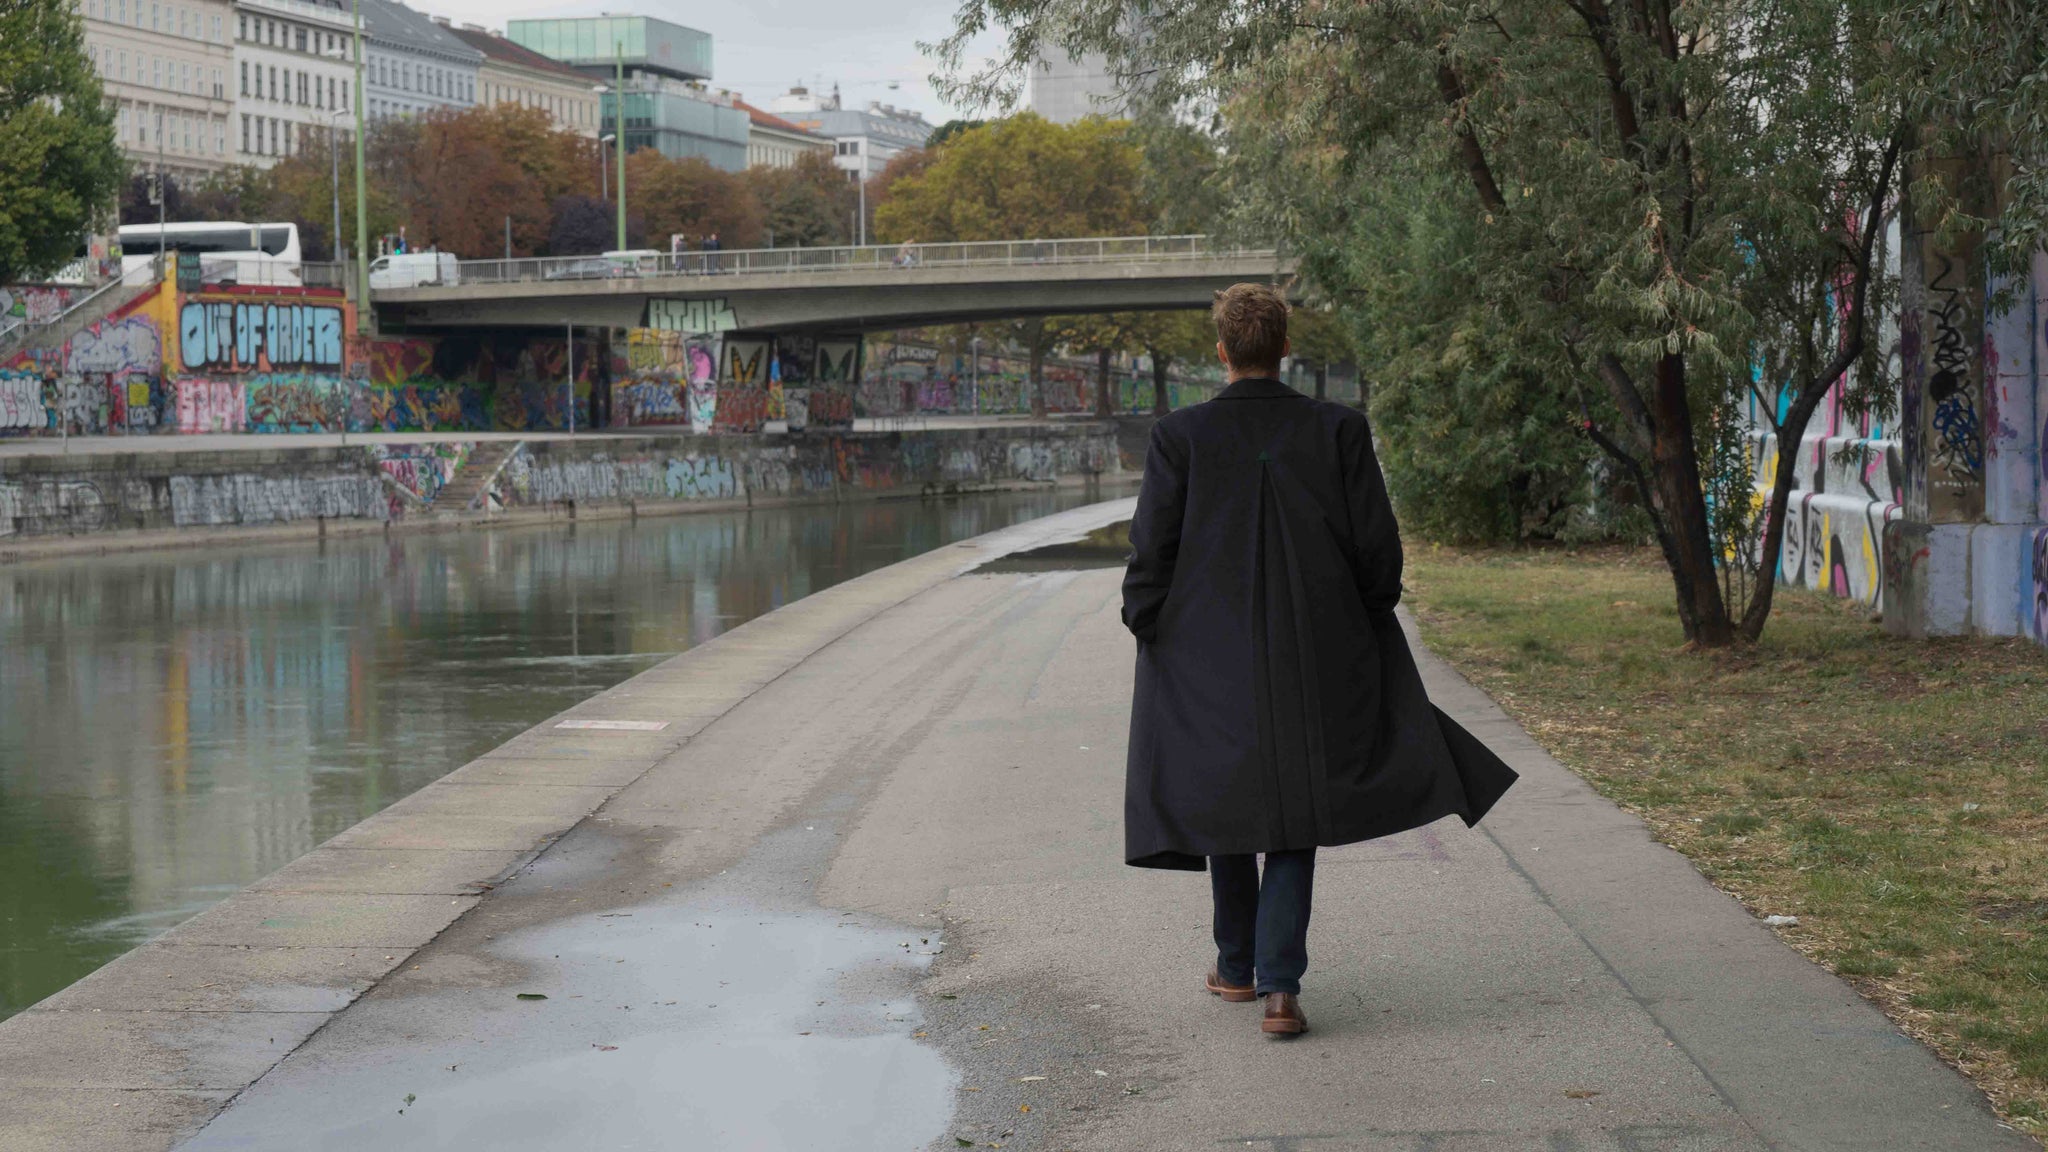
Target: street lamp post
362 208
619 102
604 173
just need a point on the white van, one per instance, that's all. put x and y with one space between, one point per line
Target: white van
412 269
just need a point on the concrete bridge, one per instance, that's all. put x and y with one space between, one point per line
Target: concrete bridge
849 289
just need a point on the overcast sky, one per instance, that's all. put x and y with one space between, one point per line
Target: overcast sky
761 47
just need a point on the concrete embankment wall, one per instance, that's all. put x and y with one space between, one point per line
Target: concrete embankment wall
58 503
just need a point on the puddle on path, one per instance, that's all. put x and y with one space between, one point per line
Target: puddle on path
717 1021
1105 547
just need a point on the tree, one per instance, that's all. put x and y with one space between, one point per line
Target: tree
691 197
1022 178
60 166
1166 337
950 129
806 205
1663 196
583 226
1319 338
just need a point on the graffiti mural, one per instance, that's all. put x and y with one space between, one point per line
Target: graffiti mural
252 336
297 402
701 317
21 401
1954 433
208 405
2037 610
128 344
39 303
419 471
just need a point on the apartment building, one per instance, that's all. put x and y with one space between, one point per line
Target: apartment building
414 63
863 140
294 77
165 67
515 74
776 143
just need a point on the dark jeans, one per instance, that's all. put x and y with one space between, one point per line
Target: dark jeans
1262 928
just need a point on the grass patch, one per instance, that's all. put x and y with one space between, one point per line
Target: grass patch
1892 794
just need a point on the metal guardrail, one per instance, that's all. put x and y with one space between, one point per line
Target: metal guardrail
861 258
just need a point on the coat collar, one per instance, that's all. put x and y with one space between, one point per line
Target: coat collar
1258 388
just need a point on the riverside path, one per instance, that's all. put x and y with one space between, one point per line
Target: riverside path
849 877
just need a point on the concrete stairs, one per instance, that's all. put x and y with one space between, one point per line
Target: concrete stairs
466 491
111 297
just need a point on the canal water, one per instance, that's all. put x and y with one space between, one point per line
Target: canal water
176 725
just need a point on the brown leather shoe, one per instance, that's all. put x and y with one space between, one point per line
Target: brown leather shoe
1235 993
1283 1015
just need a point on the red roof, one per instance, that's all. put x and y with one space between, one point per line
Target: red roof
498 48
769 119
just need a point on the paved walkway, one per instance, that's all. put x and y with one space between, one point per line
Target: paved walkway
864 891
260 441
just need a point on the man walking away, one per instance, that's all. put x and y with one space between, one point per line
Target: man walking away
1277 708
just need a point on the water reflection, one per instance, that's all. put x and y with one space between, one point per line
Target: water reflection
174 726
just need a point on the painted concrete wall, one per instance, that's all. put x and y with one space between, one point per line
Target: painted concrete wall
1969 554
45 496
1848 484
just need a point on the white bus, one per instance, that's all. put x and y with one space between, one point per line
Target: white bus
230 252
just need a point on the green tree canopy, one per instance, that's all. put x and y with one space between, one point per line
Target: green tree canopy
1660 198
1022 178
60 167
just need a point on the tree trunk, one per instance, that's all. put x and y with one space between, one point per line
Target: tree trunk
1675 472
1159 404
1104 406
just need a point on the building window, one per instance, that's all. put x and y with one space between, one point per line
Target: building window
220 137
188 134
156 72
218 90
245 132
124 65
216 30
299 39
124 121
273 85
302 89
155 23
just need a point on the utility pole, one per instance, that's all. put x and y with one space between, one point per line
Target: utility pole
362 205
334 162
619 102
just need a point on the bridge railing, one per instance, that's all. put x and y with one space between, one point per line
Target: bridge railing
852 258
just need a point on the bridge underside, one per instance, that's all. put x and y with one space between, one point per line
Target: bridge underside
868 300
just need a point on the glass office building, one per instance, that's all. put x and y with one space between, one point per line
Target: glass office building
667 108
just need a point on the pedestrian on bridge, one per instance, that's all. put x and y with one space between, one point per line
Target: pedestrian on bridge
1277 707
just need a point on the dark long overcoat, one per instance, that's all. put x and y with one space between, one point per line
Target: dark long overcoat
1277 705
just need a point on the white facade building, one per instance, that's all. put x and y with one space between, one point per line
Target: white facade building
773 142
1064 90
863 140
413 63
165 68
294 77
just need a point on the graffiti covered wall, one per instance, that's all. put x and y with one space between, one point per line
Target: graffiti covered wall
45 496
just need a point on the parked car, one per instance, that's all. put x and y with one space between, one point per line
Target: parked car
412 269
587 268
635 262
